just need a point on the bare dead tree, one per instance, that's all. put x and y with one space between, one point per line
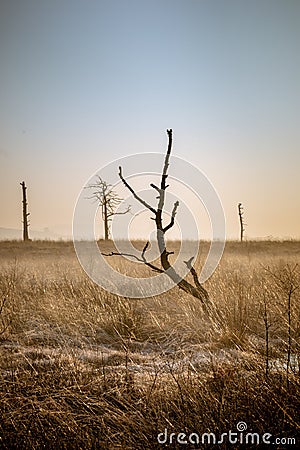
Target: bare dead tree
195 289
25 213
108 201
242 223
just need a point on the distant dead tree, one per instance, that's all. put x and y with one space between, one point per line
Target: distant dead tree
242 223
25 213
108 201
195 289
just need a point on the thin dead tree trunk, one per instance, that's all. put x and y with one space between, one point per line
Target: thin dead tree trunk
242 224
196 289
25 213
105 218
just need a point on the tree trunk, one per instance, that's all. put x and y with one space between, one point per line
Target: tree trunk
241 212
105 219
25 213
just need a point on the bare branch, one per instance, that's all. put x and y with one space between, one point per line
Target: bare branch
195 277
189 263
172 221
144 250
167 158
164 176
142 259
133 193
155 187
127 210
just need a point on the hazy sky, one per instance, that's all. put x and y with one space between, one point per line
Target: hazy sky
86 82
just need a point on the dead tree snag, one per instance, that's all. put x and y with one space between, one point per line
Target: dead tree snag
25 213
242 223
195 289
108 201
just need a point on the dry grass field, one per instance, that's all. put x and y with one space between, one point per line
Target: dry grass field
85 369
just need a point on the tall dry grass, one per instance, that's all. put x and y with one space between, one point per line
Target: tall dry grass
82 368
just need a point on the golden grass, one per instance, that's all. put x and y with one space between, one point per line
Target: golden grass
82 368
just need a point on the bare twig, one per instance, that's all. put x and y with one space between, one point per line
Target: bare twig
133 192
120 213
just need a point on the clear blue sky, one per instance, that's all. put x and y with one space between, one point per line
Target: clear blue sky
85 82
